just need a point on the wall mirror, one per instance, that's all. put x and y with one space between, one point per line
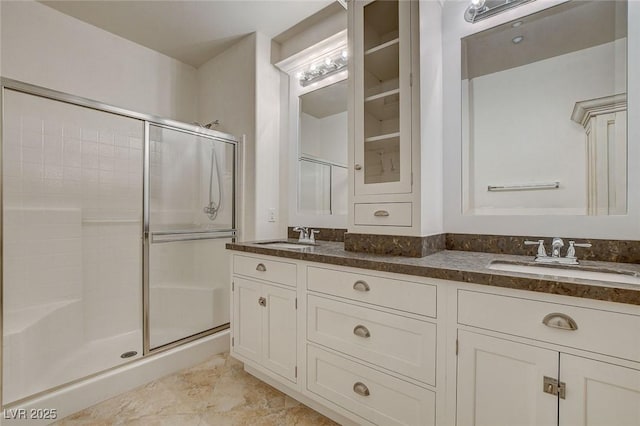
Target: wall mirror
544 113
322 151
317 166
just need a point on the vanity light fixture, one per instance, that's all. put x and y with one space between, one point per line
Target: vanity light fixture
318 70
482 9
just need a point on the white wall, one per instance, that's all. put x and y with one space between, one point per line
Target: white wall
241 88
47 48
267 147
428 165
622 227
521 115
324 138
227 92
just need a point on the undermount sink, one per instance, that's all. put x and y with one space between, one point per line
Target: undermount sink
568 272
285 245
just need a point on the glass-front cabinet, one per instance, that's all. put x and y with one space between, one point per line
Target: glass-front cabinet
381 49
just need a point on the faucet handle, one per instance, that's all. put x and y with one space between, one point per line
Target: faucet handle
540 243
312 234
304 232
587 245
571 251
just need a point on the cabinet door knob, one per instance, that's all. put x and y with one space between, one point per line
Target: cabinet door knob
261 267
357 167
361 331
361 389
561 321
262 301
381 213
361 286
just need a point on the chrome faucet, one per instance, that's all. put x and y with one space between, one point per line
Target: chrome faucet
556 245
556 255
307 235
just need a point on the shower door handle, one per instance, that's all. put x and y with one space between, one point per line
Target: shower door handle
170 237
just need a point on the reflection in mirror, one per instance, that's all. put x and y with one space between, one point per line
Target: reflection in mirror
322 185
544 113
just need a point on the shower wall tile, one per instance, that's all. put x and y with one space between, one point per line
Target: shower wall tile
60 169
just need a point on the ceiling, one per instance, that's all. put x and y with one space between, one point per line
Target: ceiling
552 32
190 31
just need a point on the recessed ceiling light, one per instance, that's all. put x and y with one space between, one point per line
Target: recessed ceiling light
517 39
516 24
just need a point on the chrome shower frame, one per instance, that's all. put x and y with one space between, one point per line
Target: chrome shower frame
146 120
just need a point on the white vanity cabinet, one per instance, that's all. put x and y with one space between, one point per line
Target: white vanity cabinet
377 348
359 346
371 344
581 368
264 325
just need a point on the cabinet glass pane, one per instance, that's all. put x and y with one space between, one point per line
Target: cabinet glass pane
382 94
382 161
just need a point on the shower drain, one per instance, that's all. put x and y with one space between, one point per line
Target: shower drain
129 354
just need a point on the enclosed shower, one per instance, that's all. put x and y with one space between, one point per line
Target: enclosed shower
114 227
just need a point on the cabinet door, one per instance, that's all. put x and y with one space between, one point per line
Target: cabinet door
500 383
598 393
381 48
279 331
247 319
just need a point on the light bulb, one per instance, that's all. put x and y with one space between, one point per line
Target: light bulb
344 54
327 61
312 67
299 75
477 4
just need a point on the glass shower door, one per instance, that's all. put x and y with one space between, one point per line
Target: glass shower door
191 218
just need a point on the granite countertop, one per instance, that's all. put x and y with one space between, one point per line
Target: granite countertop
465 266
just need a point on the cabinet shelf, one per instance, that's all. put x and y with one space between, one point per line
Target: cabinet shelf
374 88
382 46
382 95
383 63
382 137
385 106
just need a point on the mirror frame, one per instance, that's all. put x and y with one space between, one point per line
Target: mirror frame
291 66
624 227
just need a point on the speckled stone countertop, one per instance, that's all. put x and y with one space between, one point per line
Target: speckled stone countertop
465 266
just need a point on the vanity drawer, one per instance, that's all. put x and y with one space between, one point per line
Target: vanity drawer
604 332
265 269
404 345
397 294
385 214
375 396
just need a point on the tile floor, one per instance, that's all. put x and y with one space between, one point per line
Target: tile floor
217 392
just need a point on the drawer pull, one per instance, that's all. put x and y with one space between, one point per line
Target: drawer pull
361 389
262 301
381 213
361 286
261 267
358 167
561 321
361 331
